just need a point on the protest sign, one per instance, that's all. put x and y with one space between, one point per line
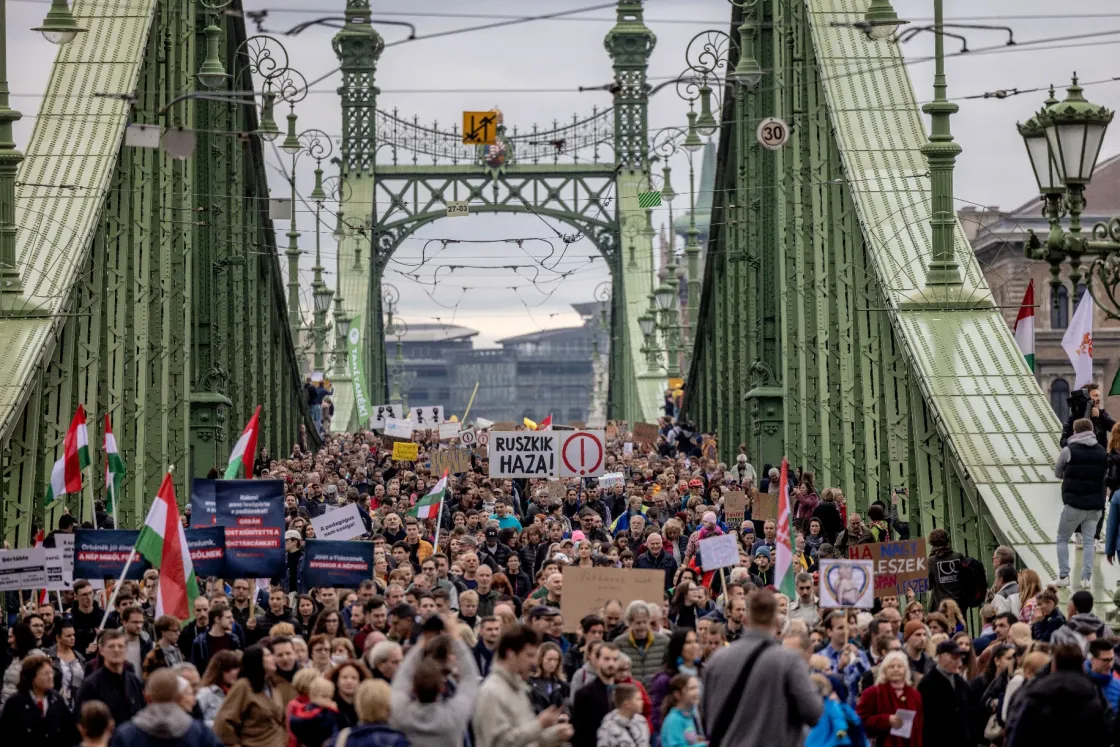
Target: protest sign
453 461
645 433
341 524
503 426
204 513
395 428
586 590
721 551
735 505
23 569
449 430
847 583
583 453
612 432
611 479
60 577
482 423
102 553
628 447
252 511
336 563
207 546
557 490
381 414
765 506
404 451
426 417
524 454
579 425
898 566
467 436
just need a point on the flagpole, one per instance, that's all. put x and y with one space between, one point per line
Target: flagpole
468 411
439 514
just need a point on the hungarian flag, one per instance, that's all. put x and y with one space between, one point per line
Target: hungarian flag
1024 326
163 543
245 450
546 424
66 477
114 472
784 571
428 506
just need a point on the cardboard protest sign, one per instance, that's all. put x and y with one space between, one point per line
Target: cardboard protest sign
398 428
102 553
765 505
735 505
611 479
381 414
628 447
579 425
204 511
847 583
341 524
645 433
524 454
207 546
897 566
23 569
721 551
60 563
449 430
252 512
454 461
334 563
586 590
405 452
557 490
503 426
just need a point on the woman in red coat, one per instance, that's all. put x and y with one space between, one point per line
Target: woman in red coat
892 692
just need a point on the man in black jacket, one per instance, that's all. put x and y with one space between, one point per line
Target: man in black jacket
945 701
592 702
113 683
1060 707
87 616
655 558
1088 406
1082 466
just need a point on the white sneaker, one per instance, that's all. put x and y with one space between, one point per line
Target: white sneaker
1085 583
1062 582
1099 546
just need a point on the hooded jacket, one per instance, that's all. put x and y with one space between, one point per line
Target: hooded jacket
1082 466
1077 628
444 722
1058 708
163 725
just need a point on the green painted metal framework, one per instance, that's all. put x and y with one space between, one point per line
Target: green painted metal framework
153 290
811 343
399 175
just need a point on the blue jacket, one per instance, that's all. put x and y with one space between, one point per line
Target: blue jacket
678 727
1109 685
372 735
839 727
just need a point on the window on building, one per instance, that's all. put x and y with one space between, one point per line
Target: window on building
1059 398
1059 307
1077 294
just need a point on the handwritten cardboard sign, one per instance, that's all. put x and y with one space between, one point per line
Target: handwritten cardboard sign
735 505
721 551
557 490
897 566
586 590
765 505
405 452
645 433
454 461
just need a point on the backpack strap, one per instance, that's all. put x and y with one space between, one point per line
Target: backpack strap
343 735
722 721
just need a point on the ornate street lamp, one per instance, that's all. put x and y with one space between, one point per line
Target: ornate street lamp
880 21
706 123
59 27
212 74
266 126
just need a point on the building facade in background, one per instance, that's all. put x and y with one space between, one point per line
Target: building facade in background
998 238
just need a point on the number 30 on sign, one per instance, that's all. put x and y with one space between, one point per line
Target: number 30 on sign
772 133
458 209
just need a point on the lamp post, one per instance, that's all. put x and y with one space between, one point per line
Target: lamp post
317 144
666 297
1063 143
58 28
320 294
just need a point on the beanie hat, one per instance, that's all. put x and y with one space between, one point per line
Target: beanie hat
708 518
911 628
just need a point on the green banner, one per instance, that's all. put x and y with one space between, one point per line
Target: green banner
357 377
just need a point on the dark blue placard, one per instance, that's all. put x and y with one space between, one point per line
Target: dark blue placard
204 512
252 512
102 553
342 564
208 551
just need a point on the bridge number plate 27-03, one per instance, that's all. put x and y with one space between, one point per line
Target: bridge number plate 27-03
458 209
772 133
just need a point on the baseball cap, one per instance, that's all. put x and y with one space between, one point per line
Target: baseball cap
947 647
292 534
543 610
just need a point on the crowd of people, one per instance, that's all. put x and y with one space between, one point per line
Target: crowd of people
463 641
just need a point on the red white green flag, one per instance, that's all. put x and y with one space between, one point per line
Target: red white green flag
1024 326
163 543
245 450
66 477
114 472
783 563
428 506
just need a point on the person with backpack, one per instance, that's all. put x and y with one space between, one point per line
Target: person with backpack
755 676
953 575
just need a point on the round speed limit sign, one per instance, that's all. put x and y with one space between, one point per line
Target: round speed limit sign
772 133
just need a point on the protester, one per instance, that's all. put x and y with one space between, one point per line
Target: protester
113 683
892 692
592 702
220 675
163 722
427 709
1063 707
947 715
252 714
624 726
374 712
36 714
1082 467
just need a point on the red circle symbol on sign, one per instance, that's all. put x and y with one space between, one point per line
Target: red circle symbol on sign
582 452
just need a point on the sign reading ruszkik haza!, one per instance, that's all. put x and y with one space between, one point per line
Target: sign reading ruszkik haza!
524 454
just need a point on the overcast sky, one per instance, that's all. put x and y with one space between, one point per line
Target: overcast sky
531 71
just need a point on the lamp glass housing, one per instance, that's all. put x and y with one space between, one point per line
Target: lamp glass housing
706 123
646 323
1042 160
664 296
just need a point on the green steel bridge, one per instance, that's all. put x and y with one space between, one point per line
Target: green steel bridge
150 286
